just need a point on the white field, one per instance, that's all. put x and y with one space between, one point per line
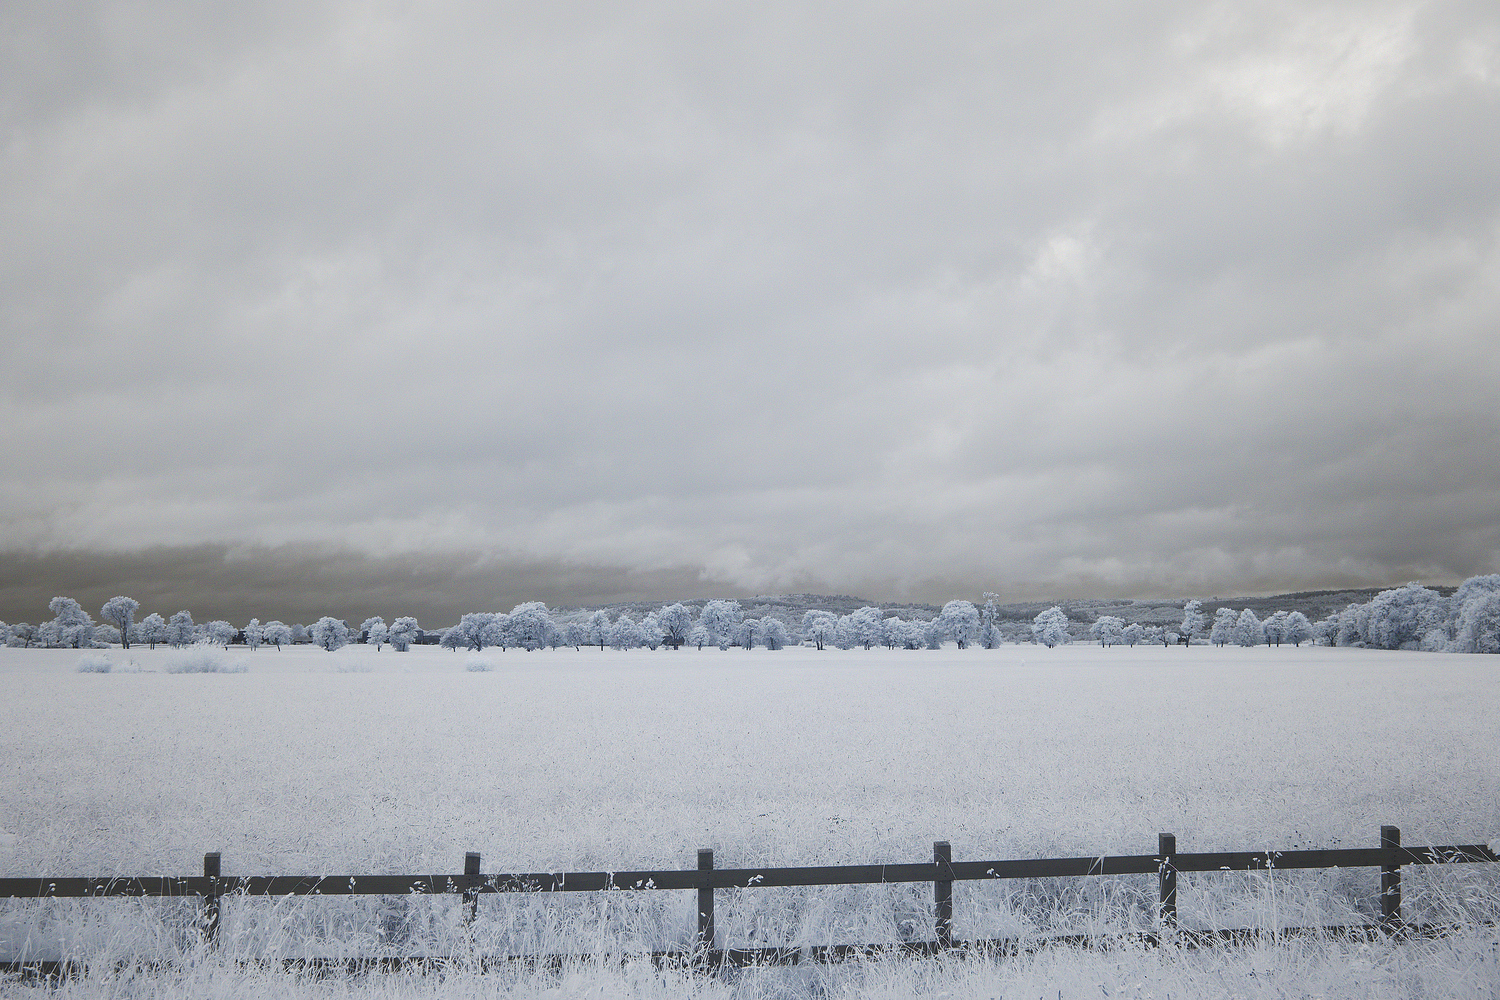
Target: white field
363 762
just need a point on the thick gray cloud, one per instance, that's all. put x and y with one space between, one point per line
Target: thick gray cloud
903 300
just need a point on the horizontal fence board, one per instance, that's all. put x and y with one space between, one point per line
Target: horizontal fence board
343 885
65 888
1054 867
1358 857
732 878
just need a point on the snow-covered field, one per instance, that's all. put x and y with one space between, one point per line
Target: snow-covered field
362 761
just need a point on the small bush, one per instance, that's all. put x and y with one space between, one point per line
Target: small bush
94 663
203 658
478 664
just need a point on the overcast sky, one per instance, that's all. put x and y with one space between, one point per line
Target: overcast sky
675 299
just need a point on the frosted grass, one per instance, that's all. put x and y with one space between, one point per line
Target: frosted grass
364 761
1462 965
95 663
589 759
203 658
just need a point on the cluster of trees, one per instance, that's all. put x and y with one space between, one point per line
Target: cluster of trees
1052 627
722 623
1410 617
531 626
73 627
1244 628
1416 617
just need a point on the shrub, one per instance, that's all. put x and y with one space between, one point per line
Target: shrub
478 664
203 658
94 663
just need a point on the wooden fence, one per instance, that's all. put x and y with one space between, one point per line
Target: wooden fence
212 887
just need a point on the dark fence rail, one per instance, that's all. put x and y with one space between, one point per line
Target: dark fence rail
212 886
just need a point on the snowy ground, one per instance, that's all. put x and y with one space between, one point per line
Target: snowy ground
363 761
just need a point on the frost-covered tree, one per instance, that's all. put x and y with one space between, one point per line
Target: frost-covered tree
1395 618
1222 632
1133 633
22 635
990 636
180 629
1152 635
624 633
120 612
1192 620
773 633
599 629
495 630
1353 625
254 634
651 631
675 621
300 633
843 634
151 630
330 633
375 632
893 632
1297 629
1050 628
106 634
746 632
403 632
959 621
220 633
819 626
1476 626
574 634
71 625
722 620
1479 625
471 629
453 638
864 626
531 625
1247 629
1274 627
277 633
930 633
916 633
1108 629
698 636
47 635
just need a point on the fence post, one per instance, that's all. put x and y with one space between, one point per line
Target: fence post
705 940
1166 846
209 919
1390 880
942 892
471 886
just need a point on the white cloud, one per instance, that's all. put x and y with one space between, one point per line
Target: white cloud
875 298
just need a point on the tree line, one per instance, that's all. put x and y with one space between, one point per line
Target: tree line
1409 617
